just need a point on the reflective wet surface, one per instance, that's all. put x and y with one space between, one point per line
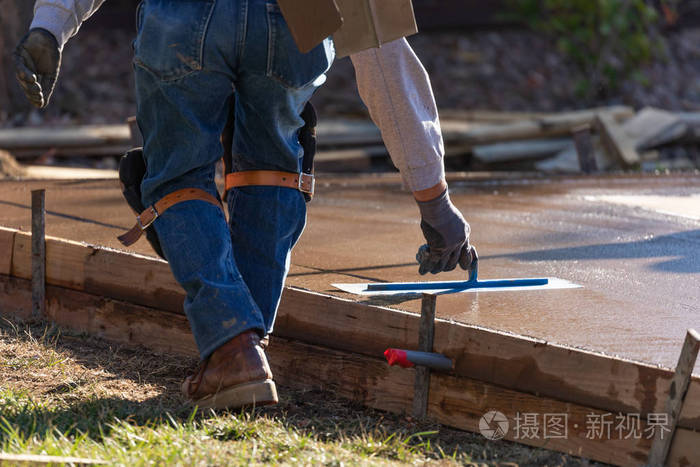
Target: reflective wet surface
633 242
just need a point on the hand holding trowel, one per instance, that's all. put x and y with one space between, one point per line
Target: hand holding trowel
447 234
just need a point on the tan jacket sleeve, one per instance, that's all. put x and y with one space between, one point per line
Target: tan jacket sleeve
63 18
396 89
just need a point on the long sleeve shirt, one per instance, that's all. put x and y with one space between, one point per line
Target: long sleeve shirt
396 89
63 18
391 80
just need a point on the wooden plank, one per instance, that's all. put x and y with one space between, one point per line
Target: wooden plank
520 150
674 404
617 142
535 128
7 245
52 172
65 260
22 255
139 279
653 127
47 137
72 151
455 401
458 402
568 161
33 459
576 117
116 139
684 450
538 367
524 364
110 319
104 271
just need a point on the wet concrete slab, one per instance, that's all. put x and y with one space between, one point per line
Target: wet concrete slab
632 242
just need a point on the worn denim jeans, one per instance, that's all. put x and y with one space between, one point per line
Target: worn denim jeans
190 56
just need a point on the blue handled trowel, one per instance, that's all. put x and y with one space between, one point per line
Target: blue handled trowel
472 284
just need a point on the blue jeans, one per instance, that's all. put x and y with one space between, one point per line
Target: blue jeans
190 57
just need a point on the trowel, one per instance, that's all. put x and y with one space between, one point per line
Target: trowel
472 284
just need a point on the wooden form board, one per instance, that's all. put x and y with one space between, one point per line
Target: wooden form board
524 364
7 242
455 401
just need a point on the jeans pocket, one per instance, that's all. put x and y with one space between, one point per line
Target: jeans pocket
285 62
139 15
170 37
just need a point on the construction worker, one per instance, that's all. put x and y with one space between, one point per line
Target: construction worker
188 59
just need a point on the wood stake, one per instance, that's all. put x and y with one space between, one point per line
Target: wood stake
584 149
38 254
661 445
426 333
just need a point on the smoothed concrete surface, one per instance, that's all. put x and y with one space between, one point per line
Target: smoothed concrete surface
627 239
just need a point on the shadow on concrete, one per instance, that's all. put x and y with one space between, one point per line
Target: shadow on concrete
68 216
681 252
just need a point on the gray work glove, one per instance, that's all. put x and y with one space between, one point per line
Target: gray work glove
447 234
37 61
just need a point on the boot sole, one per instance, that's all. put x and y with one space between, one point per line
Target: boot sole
244 395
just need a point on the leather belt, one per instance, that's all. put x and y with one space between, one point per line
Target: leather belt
299 181
151 213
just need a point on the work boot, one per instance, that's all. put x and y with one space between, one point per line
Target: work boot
236 375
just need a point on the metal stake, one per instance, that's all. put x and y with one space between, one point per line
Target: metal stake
661 445
421 388
38 254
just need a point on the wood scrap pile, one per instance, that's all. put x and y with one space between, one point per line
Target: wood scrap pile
600 139
603 139
9 168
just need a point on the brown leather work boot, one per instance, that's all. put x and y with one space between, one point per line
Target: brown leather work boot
235 375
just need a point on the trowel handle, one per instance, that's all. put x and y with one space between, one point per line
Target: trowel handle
423 253
472 270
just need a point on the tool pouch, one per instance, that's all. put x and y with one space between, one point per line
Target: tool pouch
132 170
307 139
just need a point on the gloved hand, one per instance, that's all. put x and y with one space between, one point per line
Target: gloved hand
37 62
447 234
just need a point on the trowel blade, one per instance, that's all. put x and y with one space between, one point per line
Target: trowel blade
448 287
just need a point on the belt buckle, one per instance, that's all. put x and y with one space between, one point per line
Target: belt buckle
307 183
154 213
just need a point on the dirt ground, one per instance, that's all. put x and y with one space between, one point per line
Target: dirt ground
83 384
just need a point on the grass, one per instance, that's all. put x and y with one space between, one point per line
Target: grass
71 395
